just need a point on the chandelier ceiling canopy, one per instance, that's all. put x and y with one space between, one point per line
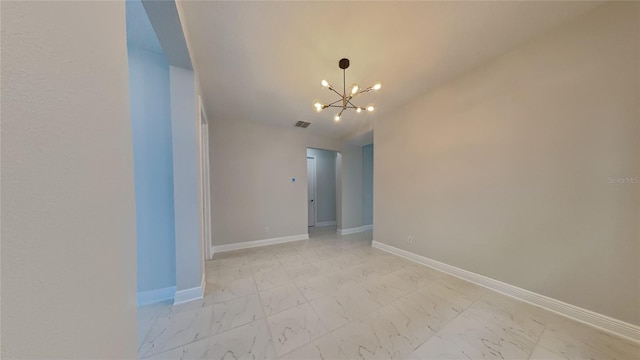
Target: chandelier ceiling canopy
344 102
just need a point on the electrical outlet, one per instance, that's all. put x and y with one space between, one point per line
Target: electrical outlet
410 240
266 229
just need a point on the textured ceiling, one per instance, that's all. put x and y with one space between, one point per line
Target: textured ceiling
263 61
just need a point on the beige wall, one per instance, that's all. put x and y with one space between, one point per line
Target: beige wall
68 207
505 170
350 199
251 170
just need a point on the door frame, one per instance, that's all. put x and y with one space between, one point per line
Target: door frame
205 184
315 191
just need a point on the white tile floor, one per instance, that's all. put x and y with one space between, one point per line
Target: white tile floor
335 297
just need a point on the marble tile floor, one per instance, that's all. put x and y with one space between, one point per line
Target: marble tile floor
336 297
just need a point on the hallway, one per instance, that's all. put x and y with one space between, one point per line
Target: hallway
337 297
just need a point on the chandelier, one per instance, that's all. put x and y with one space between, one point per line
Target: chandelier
344 102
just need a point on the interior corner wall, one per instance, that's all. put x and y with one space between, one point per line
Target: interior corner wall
525 169
68 203
153 167
252 166
351 186
186 179
325 184
367 184
339 190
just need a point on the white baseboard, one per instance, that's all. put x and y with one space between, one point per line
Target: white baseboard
155 296
326 223
355 230
257 243
194 293
600 321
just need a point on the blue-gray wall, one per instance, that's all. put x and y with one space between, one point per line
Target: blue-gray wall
153 157
367 184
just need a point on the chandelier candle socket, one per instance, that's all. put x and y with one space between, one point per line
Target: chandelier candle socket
344 102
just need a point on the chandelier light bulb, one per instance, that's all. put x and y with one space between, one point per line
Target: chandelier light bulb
325 84
336 118
370 107
318 105
354 89
377 86
359 110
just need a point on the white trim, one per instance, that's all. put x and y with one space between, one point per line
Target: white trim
154 296
614 326
257 243
194 293
355 230
326 223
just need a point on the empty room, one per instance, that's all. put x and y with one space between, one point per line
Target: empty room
188 179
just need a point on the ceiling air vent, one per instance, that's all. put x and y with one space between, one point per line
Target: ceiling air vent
302 124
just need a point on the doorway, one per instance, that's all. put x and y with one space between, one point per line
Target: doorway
321 188
311 190
367 185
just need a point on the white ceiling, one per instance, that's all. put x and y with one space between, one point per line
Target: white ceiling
263 61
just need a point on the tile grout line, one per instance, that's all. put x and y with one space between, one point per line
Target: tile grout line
212 305
544 330
312 309
211 322
338 251
329 332
257 293
255 283
450 321
152 320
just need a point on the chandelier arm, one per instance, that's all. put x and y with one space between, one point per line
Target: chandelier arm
353 106
334 90
334 102
336 106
